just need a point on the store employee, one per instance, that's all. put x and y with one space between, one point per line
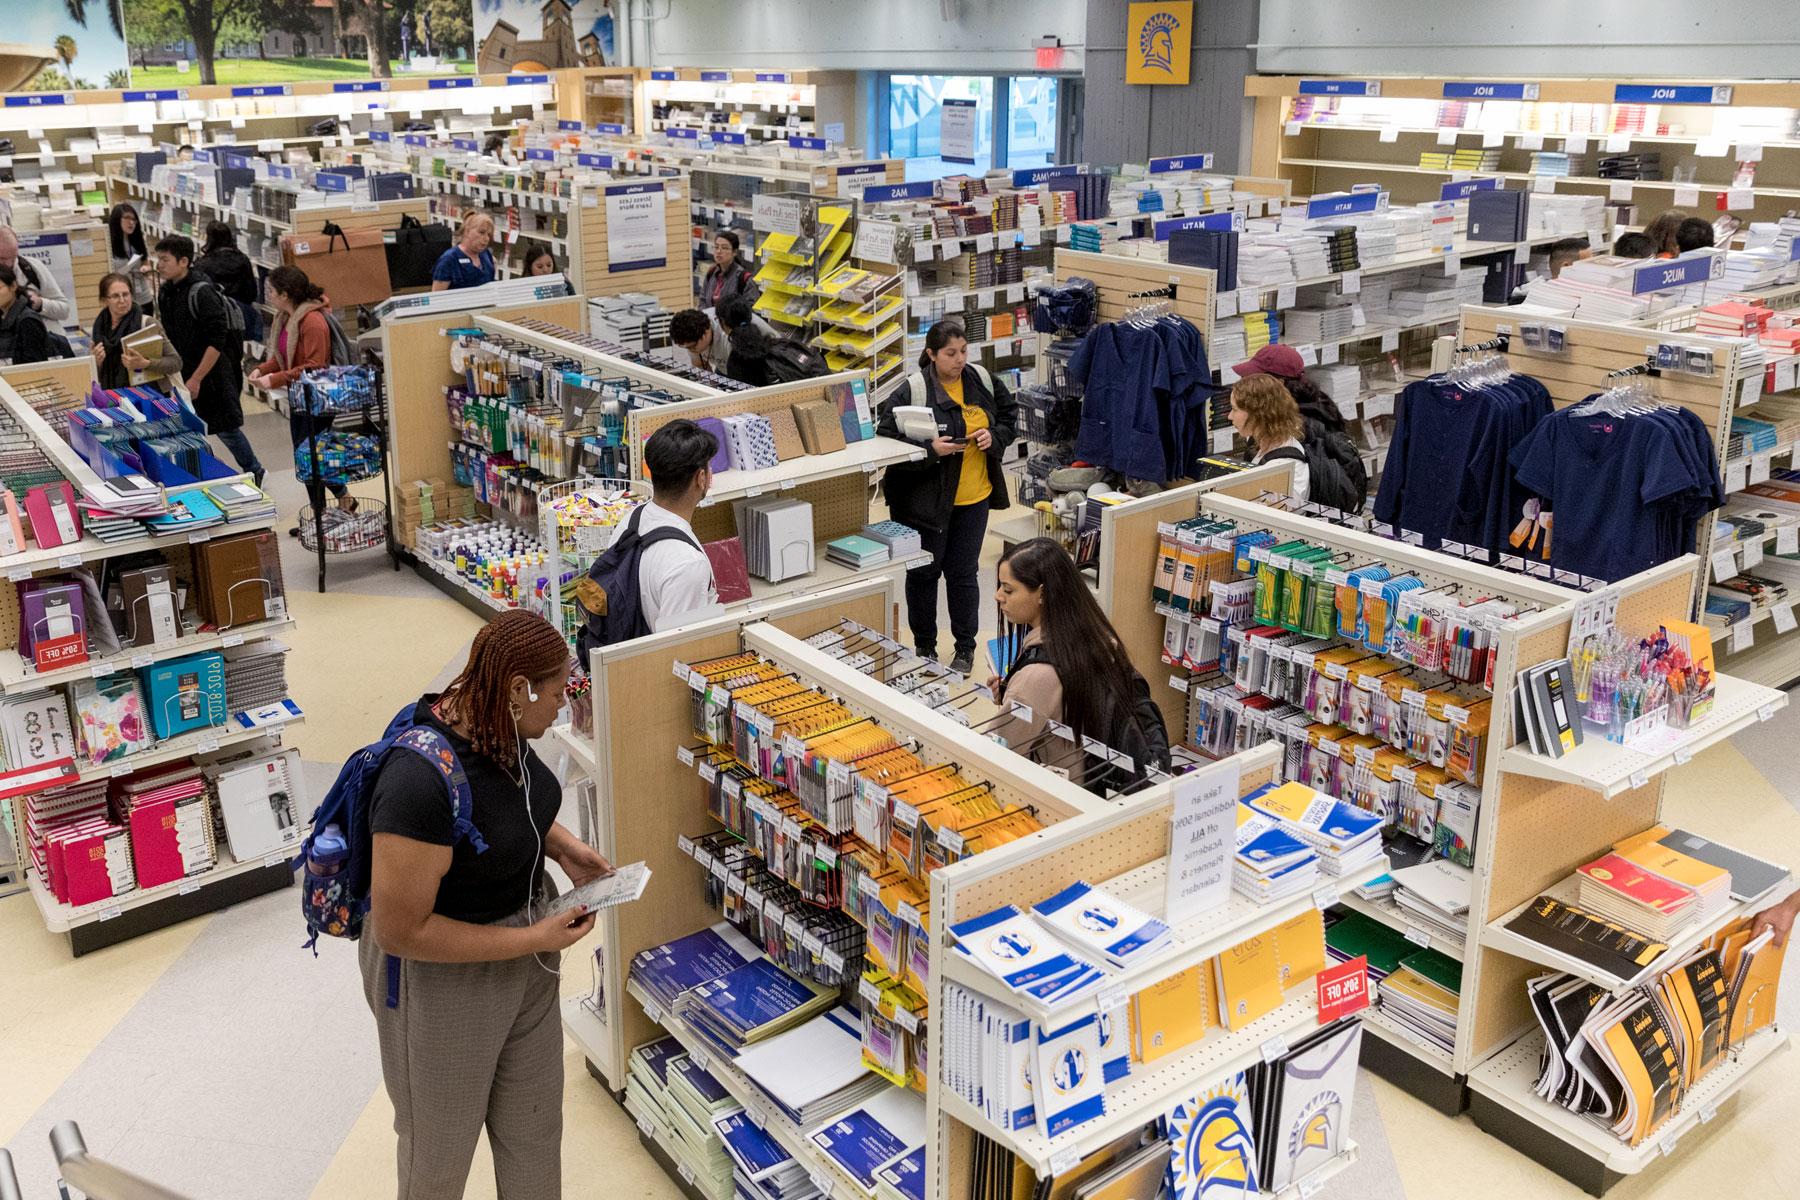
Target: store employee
469 263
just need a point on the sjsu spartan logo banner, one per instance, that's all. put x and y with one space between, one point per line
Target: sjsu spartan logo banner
1159 42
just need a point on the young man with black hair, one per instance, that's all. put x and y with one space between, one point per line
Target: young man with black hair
707 338
1635 245
675 578
195 320
1566 251
1693 234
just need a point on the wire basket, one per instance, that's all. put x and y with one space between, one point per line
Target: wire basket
347 532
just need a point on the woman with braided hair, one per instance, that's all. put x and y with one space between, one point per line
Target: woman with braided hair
461 970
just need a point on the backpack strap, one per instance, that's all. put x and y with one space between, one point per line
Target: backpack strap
987 380
915 383
1027 656
1285 452
435 749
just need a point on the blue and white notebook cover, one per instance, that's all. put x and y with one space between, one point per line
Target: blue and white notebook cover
1098 923
754 995
756 1154
1264 846
700 1080
1015 950
866 1139
1115 1048
658 1055
1323 822
906 1174
1071 1080
667 971
1212 1149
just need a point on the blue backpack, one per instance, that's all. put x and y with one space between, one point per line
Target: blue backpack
336 904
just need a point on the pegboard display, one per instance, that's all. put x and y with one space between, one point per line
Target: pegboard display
840 507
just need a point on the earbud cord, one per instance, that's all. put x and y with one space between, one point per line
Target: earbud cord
531 820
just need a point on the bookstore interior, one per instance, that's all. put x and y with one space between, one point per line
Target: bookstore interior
1296 807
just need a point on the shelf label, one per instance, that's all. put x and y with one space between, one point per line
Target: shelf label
1471 90
262 89
1325 896
1181 162
1225 221
1418 937
1065 1160
1670 93
1340 87
1639 778
1275 1047
1766 712
1346 203
921 190
684 756
645 1128
105 914
821 1179
519 79
188 887
40 100
360 85
206 745
1343 989
441 85
103 668
152 94
1032 176
1462 190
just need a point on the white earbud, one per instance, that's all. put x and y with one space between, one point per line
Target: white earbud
532 692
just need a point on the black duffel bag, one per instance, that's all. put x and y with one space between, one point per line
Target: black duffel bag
414 251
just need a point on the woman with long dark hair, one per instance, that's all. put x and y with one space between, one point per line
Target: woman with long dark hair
23 335
125 243
1070 667
729 277
460 963
300 341
947 495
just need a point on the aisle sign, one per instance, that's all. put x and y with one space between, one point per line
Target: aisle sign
1032 176
1159 41
156 94
1461 189
360 85
772 77
715 77
924 189
730 139
1202 840
600 162
956 132
1471 90
605 128
852 180
663 76
532 153
1697 266
519 79
1221 221
691 135
1345 203
569 126
806 143
261 89
1343 989
1340 87
1670 93
445 85
636 236
1181 162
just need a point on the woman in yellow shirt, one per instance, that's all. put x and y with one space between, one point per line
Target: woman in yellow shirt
947 495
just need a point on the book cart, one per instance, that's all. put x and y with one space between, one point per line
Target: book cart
141 910
1087 837
1539 819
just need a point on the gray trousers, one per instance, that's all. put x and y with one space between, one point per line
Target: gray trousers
468 1046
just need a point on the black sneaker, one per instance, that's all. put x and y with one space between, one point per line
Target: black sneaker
963 664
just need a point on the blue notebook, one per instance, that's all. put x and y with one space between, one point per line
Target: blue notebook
667 971
754 1151
906 1174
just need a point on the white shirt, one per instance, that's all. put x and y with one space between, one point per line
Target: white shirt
675 579
1302 476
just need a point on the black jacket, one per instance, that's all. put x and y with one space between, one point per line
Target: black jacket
923 493
218 403
720 288
231 270
749 358
23 338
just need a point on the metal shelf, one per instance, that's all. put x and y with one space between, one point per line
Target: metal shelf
1379 1024
1508 1078
1611 768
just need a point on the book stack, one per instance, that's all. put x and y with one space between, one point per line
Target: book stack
1312 325
170 824
1423 995
241 501
751 1003
1015 951
814 1070
88 861
647 1082
1435 896
1270 863
1344 837
188 513
255 675
665 972
1557 163
1102 926
761 1167
1733 318
881 1131
691 1101
1340 247
1653 888
901 540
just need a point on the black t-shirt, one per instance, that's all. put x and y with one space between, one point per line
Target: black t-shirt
411 800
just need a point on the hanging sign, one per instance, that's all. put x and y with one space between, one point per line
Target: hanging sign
663 76
1159 41
1697 267
636 236
1469 90
1032 176
730 139
776 214
715 77
1345 203
956 132
1461 189
1340 87
1183 162
1202 832
1670 93
1220 221
805 143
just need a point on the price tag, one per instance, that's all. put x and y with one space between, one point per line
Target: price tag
107 914
188 888
101 669
1309 1187
1325 897
685 844
1249 298
869 886
1783 615
1351 284
645 1128
1286 295
733 788
1021 711
1766 712
1743 636
680 668
69 560
1724 565
18 574
1274 1048
821 1179
1639 778
206 745
1112 998
1418 937
1787 539
709 772
684 756
1759 467
653 1011
832 959
231 639
1069 1157
908 915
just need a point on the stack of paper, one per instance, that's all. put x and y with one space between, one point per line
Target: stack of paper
693 1098
882 1131
1271 863
1435 896
1344 837
1310 325
1101 925
647 1082
241 501
761 1167
814 1071
1423 995
666 971
1013 949
755 1001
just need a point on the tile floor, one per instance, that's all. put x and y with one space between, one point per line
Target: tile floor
219 1059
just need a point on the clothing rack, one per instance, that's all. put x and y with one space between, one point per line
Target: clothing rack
1494 343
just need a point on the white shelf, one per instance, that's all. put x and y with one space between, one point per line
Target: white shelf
587 1031
867 456
200 741
1496 936
580 749
1390 914
1596 138
1508 1077
92 549
1405 263
15 674
826 574
1610 768
60 918
1378 1024
764 1115
1194 941
1577 180
1152 1090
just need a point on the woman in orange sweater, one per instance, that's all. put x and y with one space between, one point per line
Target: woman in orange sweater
300 341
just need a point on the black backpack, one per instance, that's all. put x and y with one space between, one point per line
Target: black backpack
1337 476
234 312
1136 729
608 595
791 361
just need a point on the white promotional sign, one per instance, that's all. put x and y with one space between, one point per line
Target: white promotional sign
636 236
956 131
1202 840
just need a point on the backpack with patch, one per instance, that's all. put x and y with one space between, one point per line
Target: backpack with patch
791 361
1337 477
335 902
234 312
608 593
1136 729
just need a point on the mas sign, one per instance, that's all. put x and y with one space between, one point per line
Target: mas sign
1159 42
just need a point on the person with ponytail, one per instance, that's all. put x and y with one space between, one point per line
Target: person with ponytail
459 962
1071 667
948 494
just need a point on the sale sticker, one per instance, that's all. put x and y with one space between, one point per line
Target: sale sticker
1343 989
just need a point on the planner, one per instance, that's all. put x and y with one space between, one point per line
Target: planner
186 693
260 803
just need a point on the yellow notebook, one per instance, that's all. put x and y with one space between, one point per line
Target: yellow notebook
1647 851
1172 1013
1300 948
1249 981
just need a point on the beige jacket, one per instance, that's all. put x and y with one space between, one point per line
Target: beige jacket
1038 687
